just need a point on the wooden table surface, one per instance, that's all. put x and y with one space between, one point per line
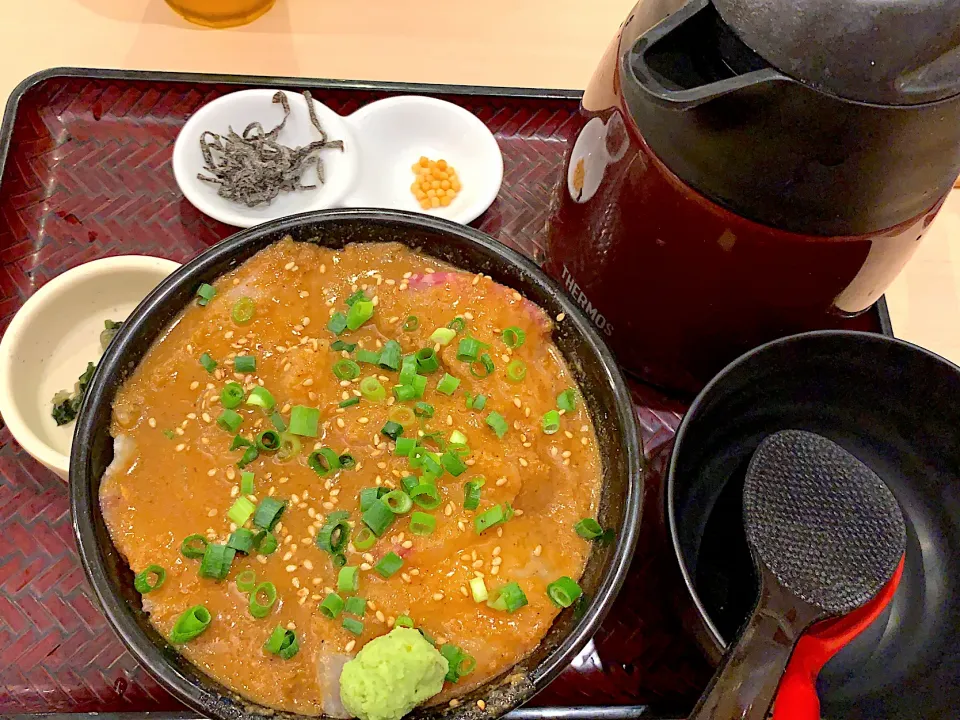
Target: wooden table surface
520 43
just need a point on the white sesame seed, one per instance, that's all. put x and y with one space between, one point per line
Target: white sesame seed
152 422
350 645
180 447
307 564
380 616
438 596
364 566
291 568
194 385
501 482
211 472
537 550
523 462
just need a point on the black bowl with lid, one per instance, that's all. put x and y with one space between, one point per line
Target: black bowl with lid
598 376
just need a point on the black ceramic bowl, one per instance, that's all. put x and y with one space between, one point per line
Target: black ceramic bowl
894 406
604 392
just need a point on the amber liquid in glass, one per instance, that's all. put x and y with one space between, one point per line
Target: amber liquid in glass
221 13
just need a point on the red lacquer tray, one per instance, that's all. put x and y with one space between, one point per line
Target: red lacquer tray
87 174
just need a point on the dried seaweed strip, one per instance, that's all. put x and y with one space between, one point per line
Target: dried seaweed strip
253 168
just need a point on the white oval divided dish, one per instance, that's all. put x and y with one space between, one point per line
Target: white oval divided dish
52 338
382 141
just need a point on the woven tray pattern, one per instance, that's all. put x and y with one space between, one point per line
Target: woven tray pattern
89 175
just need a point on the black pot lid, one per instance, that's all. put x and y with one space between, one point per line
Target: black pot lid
893 52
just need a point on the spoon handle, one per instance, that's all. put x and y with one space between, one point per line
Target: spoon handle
745 684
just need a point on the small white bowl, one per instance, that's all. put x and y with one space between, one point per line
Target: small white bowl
237 110
395 132
52 338
381 142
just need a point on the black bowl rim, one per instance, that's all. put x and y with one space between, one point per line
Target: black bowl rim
715 637
112 605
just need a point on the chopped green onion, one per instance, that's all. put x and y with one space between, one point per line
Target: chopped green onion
260 397
352 625
422 409
371 389
169 434
468 350
392 429
471 494
378 517
262 599
335 534
492 517
332 606
404 393
368 356
230 420
398 502
246 581
231 396
421 523
388 565
563 592
550 422
448 384
443 336
338 323
516 370
277 420
347 461
364 539
304 421
241 540
289 446
209 364
411 323
496 422
269 441
431 464
452 463
149 579
359 313
249 455
567 400
479 402
427 359
324 461
190 624
459 663
513 337
419 385
478 589
346 369
589 529
404 621
458 438
509 597
486 364
268 513
349 402
348 579
193 546
368 495
338 345
408 369
243 310
246 483
206 293
390 355
265 542
458 324
241 510
403 416
239 441
404 446
282 642
426 496
245 363
409 483
356 605
358 295
216 561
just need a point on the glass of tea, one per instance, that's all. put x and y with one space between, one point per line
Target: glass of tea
221 13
